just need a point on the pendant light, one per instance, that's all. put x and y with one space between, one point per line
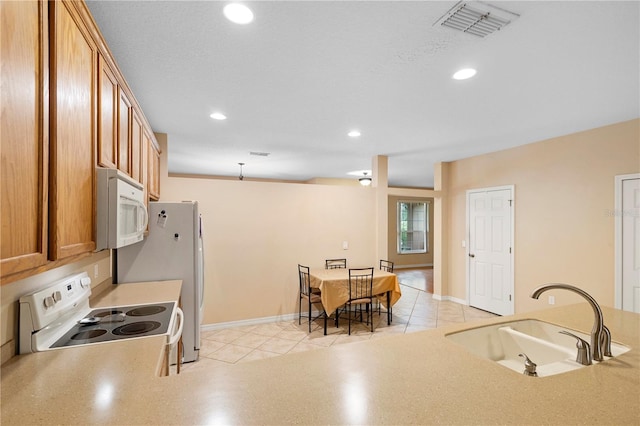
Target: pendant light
241 177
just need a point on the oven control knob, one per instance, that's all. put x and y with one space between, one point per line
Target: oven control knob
48 302
85 282
57 296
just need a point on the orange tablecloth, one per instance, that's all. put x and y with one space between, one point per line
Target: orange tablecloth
334 285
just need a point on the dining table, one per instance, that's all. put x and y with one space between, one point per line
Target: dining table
334 288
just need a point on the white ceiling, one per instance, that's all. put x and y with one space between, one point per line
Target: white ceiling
301 76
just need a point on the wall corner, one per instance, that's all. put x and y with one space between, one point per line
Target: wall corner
441 229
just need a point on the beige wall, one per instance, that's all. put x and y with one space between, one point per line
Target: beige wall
256 233
400 260
564 191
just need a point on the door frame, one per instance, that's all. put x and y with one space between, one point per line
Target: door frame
617 214
466 244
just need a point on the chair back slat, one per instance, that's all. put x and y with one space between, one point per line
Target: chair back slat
305 280
335 264
360 283
386 265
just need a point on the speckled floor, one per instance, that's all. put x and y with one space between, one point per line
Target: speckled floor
416 310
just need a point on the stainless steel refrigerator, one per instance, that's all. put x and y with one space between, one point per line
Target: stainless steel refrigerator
172 250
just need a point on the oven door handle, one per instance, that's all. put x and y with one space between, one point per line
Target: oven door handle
176 336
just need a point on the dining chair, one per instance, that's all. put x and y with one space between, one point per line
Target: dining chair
360 293
310 295
335 264
385 265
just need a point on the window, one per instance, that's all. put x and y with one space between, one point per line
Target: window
413 227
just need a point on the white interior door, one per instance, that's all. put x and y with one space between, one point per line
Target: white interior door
490 267
630 227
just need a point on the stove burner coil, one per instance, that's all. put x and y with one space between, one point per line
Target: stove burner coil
135 328
146 310
88 334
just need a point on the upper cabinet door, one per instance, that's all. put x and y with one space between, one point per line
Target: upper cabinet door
25 135
154 169
73 99
124 132
144 163
107 113
136 148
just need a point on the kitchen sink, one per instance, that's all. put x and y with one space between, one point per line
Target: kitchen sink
542 342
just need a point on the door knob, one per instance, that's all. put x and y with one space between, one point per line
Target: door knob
472 255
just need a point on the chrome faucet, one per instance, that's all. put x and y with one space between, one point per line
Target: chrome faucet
529 366
584 349
600 335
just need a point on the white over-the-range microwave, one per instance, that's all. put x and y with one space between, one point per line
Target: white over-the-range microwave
121 211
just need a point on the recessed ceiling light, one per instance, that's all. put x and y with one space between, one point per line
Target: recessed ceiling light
218 116
354 133
464 74
238 13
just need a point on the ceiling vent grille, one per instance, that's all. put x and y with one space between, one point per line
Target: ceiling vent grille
259 154
477 18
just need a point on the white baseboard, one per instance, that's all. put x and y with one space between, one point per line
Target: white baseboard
256 321
290 317
450 299
459 301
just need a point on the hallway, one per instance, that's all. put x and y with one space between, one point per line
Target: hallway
418 278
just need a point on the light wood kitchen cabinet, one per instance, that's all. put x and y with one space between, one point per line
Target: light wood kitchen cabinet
136 148
107 116
154 169
124 132
144 166
25 135
65 109
73 95
116 131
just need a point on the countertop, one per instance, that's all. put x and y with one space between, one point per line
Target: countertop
417 378
138 293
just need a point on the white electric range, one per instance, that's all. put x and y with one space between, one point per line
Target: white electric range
59 316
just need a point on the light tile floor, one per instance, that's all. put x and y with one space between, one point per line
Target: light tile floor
416 310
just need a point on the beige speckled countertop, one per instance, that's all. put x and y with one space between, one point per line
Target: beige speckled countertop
147 292
417 378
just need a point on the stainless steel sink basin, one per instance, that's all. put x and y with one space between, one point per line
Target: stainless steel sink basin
554 353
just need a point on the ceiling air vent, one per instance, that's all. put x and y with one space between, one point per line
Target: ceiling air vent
477 18
259 154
